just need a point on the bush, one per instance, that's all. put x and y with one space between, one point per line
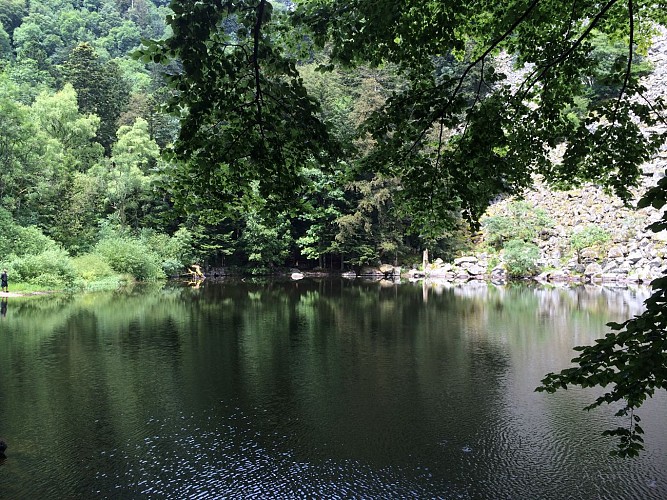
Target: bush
92 267
53 268
588 237
174 252
522 222
19 240
127 255
521 258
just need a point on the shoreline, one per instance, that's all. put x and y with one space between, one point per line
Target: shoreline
25 294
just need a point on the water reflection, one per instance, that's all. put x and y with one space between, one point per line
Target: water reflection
312 389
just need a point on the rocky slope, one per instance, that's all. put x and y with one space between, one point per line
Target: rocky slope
633 254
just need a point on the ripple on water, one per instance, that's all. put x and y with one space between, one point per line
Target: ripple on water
230 460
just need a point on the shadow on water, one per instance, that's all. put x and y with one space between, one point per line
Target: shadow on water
315 388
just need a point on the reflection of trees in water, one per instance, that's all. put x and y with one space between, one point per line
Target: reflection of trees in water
553 303
345 363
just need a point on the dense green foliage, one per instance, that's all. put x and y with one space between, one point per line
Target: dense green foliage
521 258
86 143
520 222
350 143
127 256
588 237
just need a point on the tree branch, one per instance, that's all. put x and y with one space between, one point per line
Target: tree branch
628 69
255 62
565 54
470 66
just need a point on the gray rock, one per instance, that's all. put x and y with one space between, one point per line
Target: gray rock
440 273
634 257
593 269
462 260
387 269
589 253
611 267
559 276
476 270
616 252
370 271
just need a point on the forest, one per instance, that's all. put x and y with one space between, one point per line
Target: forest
95 180
89 181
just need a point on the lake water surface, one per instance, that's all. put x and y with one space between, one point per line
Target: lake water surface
313 389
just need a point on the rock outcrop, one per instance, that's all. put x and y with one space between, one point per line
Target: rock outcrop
633 254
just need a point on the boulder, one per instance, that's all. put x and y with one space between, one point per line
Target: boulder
634 256
441 273
370 271
559 276
593 269
463 260
589 253
476 270
611 267
616 252
387 269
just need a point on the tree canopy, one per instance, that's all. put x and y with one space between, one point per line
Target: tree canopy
459 131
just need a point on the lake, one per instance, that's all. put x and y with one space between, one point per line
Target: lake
313 389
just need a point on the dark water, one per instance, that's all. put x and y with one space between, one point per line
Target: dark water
312 390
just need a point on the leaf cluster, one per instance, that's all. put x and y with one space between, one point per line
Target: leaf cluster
246 116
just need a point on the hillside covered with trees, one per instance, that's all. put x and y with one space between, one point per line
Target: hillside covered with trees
94 163
89 180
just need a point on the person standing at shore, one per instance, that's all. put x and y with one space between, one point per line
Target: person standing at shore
4 281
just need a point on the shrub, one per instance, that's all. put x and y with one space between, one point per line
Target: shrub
174 252
127 255
92 267
522 222
588 237
52 268
31 241
521 258
19 240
